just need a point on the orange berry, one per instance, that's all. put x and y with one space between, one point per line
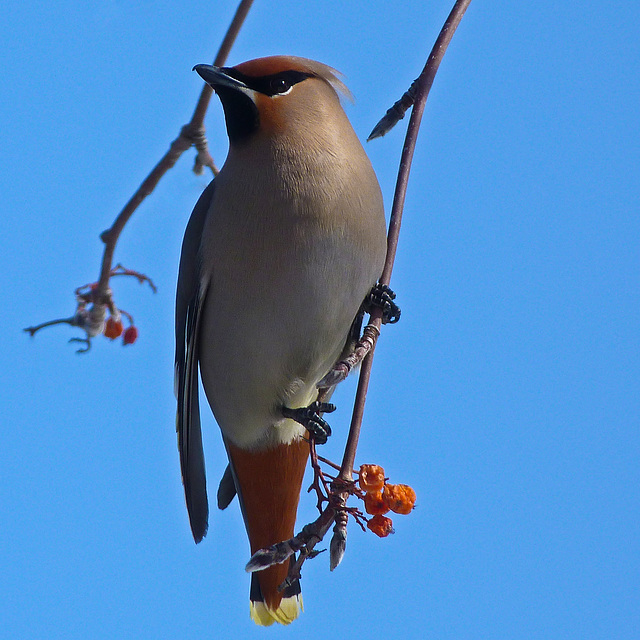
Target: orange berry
375 504
400 498
130 335
371 478
113 328
380 525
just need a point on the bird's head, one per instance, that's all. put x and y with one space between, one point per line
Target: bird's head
272 95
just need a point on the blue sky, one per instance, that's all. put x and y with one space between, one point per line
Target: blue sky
508 395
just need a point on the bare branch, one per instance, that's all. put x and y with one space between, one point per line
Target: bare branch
119 270
417 94
191 134
423 83
100 296
33 330
319 484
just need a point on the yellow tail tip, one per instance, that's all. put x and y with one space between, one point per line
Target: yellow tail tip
286 613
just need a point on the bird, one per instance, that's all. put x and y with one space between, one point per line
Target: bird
278 258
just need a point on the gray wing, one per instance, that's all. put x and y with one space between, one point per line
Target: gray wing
189 299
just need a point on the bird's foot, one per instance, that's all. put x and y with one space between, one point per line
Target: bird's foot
311 419
383 297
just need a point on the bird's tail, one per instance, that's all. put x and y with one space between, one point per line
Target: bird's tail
269 484
267 611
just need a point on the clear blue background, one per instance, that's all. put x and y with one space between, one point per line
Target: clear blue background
508 395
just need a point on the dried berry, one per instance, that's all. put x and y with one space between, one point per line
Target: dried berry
113 328
371 478
375 504
400 498
380 525
130 335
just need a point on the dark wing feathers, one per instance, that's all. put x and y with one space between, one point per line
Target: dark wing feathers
190 295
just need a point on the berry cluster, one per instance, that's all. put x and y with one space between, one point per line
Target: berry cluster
380 497
113 329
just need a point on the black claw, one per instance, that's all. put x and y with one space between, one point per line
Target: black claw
310 418
383 297
322 407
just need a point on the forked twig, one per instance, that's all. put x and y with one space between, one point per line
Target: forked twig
319 484
91 319
91 311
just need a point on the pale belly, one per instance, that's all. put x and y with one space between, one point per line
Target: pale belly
277 319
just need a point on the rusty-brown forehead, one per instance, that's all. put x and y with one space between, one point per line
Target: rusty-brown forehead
271 65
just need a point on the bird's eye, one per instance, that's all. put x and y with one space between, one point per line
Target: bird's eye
279 85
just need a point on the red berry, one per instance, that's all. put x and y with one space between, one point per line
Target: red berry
375 504
130 335
380 525
371 478
113 328
400 498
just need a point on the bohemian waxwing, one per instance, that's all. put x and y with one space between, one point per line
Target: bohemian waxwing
278 256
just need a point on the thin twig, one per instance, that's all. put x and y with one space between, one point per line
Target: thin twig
119 270
329 463
221 57
50 323
319 484
423 86
418 91
191 134
423 83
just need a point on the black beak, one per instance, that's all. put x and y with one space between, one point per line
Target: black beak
216 77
